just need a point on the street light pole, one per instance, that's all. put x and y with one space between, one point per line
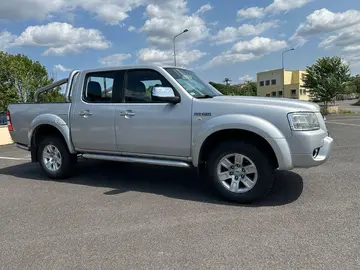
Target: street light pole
283 70
174 44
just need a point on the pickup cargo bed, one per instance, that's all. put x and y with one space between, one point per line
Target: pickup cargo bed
22 115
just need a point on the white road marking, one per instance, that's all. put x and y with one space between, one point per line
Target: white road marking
14 158
345 124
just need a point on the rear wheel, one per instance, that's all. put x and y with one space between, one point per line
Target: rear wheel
239 172
55 159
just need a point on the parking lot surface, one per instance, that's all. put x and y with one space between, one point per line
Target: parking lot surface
123 216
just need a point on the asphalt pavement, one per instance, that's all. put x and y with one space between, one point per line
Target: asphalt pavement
348 105
124 216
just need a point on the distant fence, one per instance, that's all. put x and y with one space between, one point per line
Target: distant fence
3 119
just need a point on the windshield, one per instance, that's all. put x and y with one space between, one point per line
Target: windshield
192 83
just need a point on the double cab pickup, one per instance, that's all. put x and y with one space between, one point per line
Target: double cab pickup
168 116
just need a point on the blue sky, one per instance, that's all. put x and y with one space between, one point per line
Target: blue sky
231 38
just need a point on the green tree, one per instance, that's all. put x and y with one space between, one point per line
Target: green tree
20 77
355 82
249 89
350 87
219 86
327 78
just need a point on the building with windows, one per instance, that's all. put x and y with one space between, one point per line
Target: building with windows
282 83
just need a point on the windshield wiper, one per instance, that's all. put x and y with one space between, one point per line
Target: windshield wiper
205 96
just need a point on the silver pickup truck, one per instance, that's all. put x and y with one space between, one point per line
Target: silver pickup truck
169 116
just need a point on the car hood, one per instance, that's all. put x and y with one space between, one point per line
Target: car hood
293 104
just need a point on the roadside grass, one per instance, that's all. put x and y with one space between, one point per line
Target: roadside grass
346 112
340 111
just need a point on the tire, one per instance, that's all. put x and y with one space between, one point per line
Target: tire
242 190
65 161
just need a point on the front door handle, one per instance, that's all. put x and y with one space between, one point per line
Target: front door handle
127 113
85 113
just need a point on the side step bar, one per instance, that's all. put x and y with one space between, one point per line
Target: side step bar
23 146
160 162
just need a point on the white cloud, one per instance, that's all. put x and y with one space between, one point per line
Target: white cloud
278 6
131 28
325 21
246 51
61 68
352 48
336 30
347 39
251 13
163 23
164 20
114 60
204 9
213 23
159 57
230 34
62 38
286 5
229 57
6 40
259 46
110 11
246 78
29 9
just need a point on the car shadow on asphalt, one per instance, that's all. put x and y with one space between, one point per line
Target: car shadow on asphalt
166 181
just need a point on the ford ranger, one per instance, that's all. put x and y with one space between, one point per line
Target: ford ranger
169 116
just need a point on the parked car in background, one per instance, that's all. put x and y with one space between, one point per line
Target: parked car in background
169 116
3 119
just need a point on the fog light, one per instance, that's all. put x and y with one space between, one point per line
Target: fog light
316 152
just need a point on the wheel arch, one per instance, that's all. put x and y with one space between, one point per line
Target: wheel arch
242 127
46 125
237 134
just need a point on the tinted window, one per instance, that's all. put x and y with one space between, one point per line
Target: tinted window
103 87
139 84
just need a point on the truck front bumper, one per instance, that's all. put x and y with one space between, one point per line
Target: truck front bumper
317 152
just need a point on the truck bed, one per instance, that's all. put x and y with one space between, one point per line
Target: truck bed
23 114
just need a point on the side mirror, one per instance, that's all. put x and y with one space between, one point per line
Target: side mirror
164 94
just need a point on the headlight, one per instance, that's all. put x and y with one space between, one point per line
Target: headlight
302 121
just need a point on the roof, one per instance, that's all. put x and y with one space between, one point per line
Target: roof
129 67
280 69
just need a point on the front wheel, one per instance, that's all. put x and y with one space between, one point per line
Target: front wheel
239 172
55 158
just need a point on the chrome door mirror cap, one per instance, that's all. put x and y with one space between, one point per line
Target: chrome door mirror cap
164 94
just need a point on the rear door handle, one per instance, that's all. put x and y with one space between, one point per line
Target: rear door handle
128 113
85 113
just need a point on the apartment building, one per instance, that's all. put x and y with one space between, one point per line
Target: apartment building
279 83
